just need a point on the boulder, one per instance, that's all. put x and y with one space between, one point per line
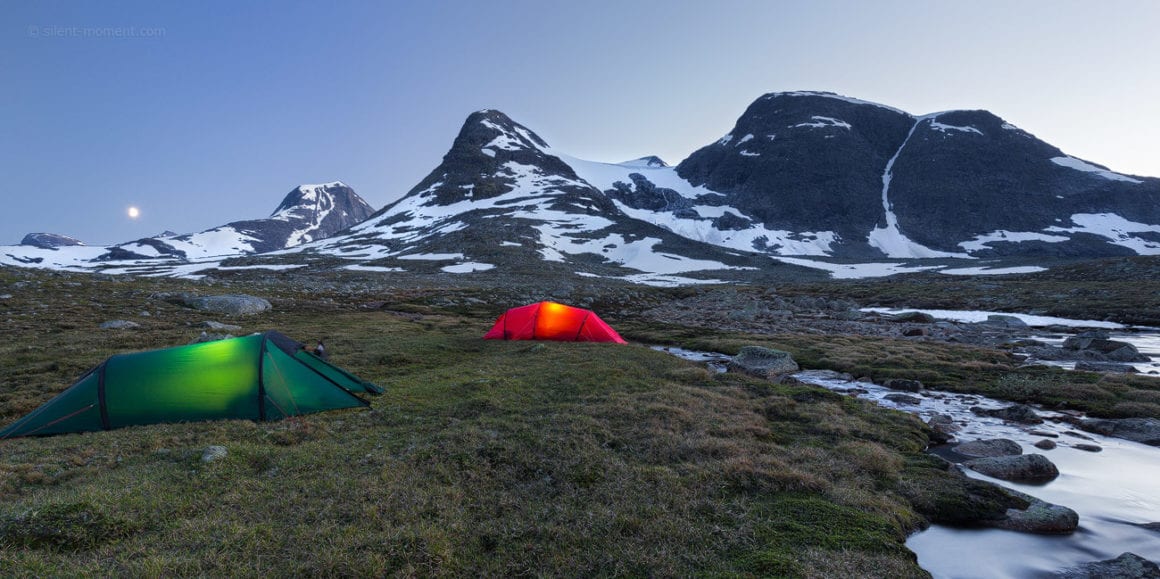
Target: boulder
903 399
213 453
903 385
1040 517
1021 413
1116 367
912 318
208 337
915 332
1002 321
1105 349
119 325
1143 430
220 326
1087 447
1045 444
233 305
1028 468
989 448
763 362
1126 566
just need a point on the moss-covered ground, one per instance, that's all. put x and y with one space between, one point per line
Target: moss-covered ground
482 458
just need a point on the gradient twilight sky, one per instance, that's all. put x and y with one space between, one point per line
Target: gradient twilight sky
202 113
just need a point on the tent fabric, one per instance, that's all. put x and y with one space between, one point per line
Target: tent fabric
264 376
552 321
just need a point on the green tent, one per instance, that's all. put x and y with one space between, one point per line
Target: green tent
261 377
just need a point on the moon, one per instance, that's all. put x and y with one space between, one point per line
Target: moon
134 213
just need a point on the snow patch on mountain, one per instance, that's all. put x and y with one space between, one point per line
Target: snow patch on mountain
822 122
857 270
1116 229
1079 165
982 242
943 128
890 239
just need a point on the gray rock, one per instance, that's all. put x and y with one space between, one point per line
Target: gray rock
1016 413
763 362
1086 366
1029 468
903 385
1126 566
119 325
1045 444
220 326
1040 517
208 337
912 318
1002 321
943 423
6 297
1110 350
1143 430
903 399
989 448
213 453
233 305
1088 447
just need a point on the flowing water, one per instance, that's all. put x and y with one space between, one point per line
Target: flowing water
1115 491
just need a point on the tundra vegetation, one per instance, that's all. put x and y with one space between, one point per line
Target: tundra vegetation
488 457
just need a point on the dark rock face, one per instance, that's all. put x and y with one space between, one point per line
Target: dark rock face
817 162
642 194
49 240
1126 566
1031 468
805 162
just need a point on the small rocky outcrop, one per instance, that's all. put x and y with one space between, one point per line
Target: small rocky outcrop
763 362
1098 343
903 399
213 453
1041 517
119 325
232 305
1027 468
912 318
1020 413
1003 321
1143 430
989 448
1045 444
220 326
1126 566
1113 367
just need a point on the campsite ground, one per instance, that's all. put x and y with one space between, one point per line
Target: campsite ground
512 458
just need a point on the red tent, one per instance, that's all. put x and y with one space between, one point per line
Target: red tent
552 321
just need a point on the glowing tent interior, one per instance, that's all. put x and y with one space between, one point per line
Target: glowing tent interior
552 321
264 376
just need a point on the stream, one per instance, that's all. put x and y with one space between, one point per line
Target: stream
1114 491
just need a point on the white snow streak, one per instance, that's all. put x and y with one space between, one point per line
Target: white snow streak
1079 165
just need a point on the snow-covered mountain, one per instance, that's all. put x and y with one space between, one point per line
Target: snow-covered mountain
49 240
805 178
503 196
307 213
872 181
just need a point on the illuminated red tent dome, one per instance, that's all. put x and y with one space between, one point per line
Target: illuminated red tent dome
552 321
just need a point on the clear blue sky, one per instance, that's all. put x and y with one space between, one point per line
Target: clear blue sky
200 113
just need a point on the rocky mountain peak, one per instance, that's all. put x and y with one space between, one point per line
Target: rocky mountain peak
49 240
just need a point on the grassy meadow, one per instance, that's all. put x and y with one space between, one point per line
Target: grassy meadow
482 457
